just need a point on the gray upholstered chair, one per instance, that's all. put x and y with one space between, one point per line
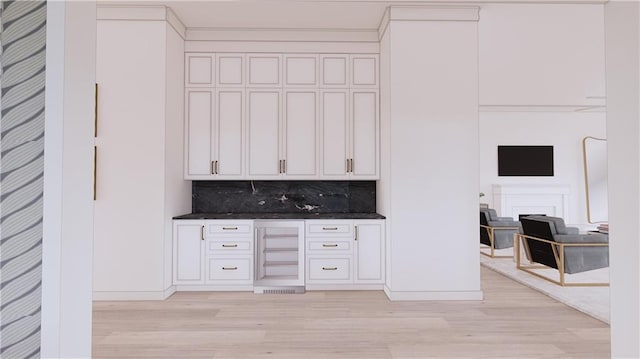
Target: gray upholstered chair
548 241
496 232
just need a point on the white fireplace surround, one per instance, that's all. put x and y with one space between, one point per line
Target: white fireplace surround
511 200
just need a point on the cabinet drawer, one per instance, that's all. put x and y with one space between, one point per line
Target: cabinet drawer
228 228
229 246
329 269
314 229
329 246
229 268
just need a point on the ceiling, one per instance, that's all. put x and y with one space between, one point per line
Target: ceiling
293 14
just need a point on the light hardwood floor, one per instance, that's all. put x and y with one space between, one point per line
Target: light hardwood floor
512 321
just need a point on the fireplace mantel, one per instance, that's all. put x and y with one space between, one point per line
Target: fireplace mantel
511 200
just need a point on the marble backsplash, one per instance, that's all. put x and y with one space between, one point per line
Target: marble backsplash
284 196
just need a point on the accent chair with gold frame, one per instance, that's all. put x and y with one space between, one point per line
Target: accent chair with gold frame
496 232
548 243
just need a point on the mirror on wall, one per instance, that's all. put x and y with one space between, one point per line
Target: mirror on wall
595 173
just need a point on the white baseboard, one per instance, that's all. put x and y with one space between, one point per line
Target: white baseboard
343 287
144 295
214 288
408 296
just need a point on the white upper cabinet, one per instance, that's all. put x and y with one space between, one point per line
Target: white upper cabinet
542 55
264 133
301 70
264 70
364 70
214 133
350 134
281 116
335 132
334 71
230 70
228 145
199 105
365 134
300 143
199 70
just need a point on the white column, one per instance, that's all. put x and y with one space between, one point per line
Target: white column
622 38
68 180
430 172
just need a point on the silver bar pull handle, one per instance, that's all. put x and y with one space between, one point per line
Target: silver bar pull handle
229 268
229 228
229 245
329 228
329 268
329 245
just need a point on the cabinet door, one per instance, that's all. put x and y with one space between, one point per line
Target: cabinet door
264 133
300 135
335 132
230 70
364 71
199 70
199 133
301 70
334 71
365 141
264 70
188 254
369 251
229 149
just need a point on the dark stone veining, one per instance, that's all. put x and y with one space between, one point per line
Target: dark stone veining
284 197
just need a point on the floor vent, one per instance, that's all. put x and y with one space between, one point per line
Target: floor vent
278 290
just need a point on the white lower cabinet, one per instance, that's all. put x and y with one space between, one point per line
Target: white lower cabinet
229 270
345 252
213 253
188 252
369 252
336 269
220 255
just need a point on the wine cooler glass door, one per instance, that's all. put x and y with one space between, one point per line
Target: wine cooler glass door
279 253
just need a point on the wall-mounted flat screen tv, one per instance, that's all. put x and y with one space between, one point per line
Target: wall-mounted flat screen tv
525 160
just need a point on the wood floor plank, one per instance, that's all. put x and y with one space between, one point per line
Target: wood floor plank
513 321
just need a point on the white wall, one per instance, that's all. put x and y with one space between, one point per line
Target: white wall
177 191
129 210
623 118
430 129
68 178
563 130
383 186
541 54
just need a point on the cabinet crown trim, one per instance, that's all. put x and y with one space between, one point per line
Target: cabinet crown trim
427 13
142 13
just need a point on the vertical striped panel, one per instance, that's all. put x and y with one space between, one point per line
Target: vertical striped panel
22 43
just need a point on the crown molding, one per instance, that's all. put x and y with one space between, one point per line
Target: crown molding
283 46
141 13
269 34
427 13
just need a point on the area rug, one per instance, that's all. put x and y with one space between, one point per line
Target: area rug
593 301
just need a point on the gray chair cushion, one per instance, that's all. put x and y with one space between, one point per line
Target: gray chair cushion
504 223
581 238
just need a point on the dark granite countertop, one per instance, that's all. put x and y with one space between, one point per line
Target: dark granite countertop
273 215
